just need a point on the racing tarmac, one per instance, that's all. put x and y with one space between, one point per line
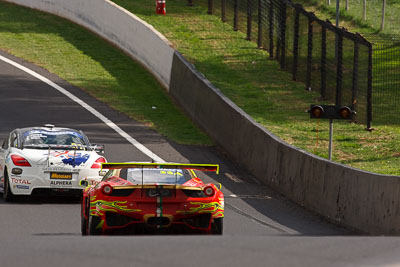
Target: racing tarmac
261 228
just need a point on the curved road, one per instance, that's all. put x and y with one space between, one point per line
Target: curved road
261 227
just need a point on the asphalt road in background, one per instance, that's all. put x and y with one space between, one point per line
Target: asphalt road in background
261 228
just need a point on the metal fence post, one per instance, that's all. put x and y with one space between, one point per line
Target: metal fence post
235 15
354 88
309 54
260 14
271 28
278 33
249 19
369 94
323 62
223 8
283 35
339 71
296 44
210 7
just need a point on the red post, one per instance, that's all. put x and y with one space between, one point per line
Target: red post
160 7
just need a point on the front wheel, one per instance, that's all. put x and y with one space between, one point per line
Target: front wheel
7 194
217 226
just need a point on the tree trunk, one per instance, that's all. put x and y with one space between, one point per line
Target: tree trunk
364 9
347 5
383 15
328 2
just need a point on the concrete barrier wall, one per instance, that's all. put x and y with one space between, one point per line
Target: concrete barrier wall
364 201
131 34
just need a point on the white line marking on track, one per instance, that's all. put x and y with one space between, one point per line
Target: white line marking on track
108 122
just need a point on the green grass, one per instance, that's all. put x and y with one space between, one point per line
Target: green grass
354 15
86 61
255 83
243 72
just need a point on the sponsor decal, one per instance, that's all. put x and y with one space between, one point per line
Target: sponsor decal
22 186
60 169
201 207
20 181
60 183
58 175
77 160
46 133
98 207
192 182
93 182
71 158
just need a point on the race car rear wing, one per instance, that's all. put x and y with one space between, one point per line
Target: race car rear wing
141 165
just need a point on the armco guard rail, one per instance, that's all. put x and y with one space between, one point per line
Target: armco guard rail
365 201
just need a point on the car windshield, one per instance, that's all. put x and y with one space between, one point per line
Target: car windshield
155 176
45 139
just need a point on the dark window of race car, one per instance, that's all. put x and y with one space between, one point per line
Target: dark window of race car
63 138
14 140
153 176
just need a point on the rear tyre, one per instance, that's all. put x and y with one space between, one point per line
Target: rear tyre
7 194
94 221
85 214
217 226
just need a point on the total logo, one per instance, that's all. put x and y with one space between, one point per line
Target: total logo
19 181
93 182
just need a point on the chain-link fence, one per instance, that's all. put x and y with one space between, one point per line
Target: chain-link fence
386 82
326 58
367 12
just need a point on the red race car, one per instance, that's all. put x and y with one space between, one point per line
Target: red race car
138 198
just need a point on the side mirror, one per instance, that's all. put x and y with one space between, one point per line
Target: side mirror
219 186
84 183
97 148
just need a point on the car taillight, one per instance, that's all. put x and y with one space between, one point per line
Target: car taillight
106 189
208 191
20 161
98 162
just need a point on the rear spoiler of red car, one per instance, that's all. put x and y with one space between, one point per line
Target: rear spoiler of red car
142 165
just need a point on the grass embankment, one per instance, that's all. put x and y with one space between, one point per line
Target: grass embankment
86 61
234 65
255 83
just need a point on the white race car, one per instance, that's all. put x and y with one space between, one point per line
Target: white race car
47 160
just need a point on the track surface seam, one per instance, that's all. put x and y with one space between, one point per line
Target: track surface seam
251 217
